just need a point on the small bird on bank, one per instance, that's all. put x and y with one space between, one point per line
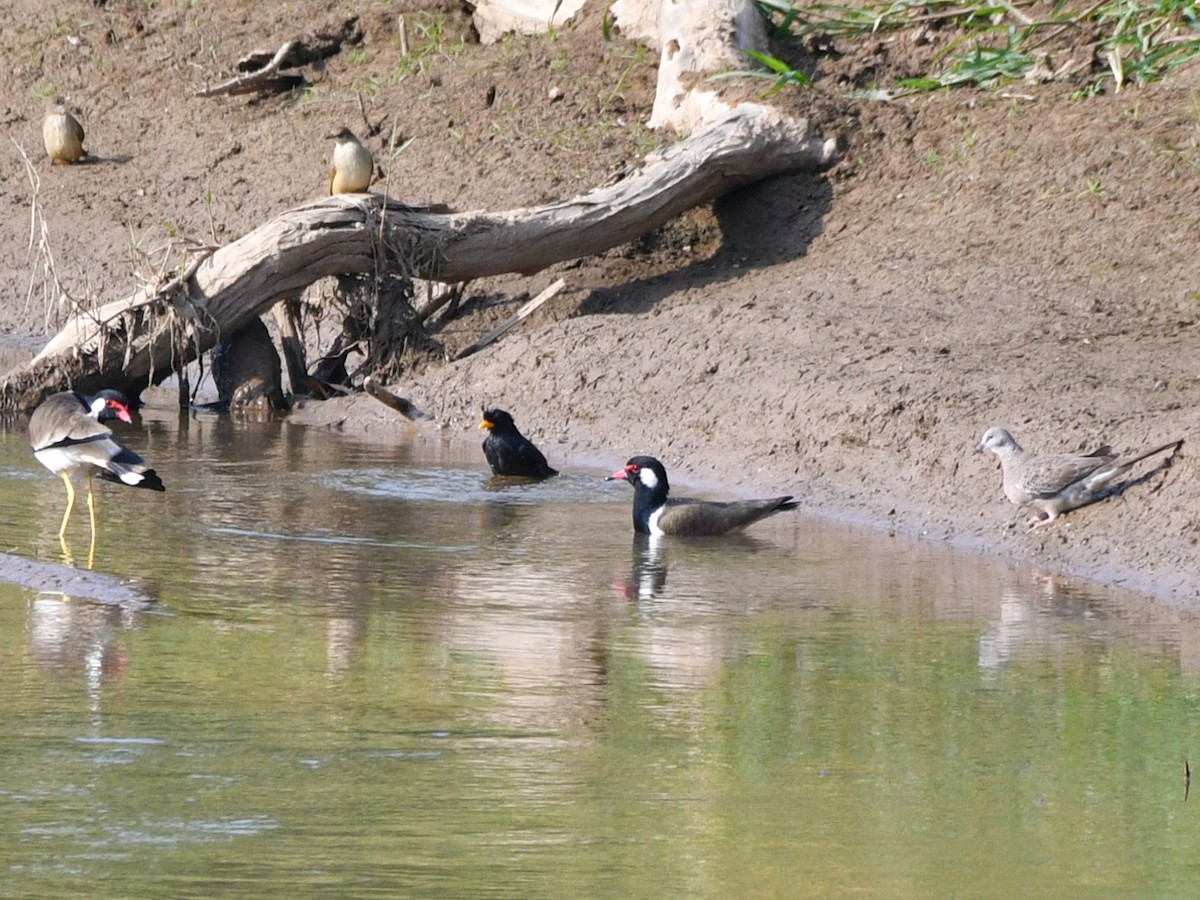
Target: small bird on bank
654 513
352 166
62 134
1059 482
508 451
69 438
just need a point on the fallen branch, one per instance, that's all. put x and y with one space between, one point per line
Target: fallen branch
392 401
268 79
525 311
262 71
357 234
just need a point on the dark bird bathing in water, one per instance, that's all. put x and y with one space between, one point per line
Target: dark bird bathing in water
508 451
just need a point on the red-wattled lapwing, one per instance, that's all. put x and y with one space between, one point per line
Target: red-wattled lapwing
508 451
1059 482
654 514
68 437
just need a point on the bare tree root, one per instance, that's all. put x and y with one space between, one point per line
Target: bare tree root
143 338
264 72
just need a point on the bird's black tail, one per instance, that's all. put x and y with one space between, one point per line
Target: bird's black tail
130 469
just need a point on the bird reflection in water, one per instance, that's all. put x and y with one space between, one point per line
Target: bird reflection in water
1044 617
344 637
648 577
69 557
70 634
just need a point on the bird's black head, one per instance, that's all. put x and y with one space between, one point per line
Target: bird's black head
644 473
110 404
497 421
344 135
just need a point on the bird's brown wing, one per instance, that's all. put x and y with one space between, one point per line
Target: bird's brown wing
1046 476
702 518
61 421
75 128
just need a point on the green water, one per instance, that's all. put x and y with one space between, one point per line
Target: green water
369 672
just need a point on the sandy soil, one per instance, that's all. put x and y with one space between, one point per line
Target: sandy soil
1005 257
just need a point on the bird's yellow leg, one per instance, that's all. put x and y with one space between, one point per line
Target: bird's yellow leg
91 500
68 557
62 529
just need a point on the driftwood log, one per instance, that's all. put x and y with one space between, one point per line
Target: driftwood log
144 338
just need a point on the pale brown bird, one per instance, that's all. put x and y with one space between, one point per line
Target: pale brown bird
1055 483
352 166
62 134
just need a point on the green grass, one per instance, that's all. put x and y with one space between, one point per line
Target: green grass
1182 158
430 40
783 73
636 58
369 86
1136 41
1094 187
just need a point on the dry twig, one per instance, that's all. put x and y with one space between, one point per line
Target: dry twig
522 313
268 79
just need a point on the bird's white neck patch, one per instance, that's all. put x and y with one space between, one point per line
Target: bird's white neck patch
648 478
98 406
652 522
